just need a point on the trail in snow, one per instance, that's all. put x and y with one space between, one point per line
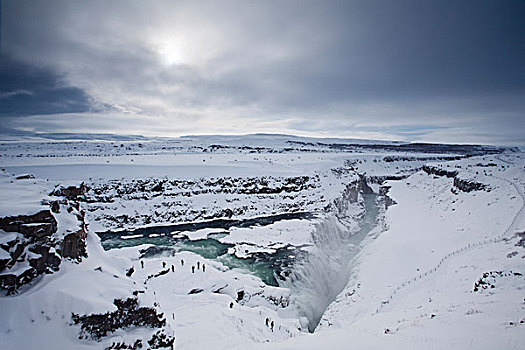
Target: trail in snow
500 238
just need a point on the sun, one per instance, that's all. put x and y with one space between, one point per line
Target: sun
171 51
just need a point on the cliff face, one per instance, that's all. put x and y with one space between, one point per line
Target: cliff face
74 245
38 225
459 183
70 192
130 203
350 196
468 186
33 245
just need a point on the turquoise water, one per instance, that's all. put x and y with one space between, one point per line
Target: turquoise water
207 248
116 241
315 277
262 266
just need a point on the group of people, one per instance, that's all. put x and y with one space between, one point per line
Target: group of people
199 265
269 323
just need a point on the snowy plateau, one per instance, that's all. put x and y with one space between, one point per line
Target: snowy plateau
260 242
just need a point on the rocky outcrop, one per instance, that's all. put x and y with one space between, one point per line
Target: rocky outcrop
144 202
28 253
25 177
351 195
127 315
489 279
46 259
468 186
32 246
432 170
70 192
363 185
390 159
381 179
38 225
149 188
459 183
74 245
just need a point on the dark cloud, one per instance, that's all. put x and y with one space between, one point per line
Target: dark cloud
418 70
28 90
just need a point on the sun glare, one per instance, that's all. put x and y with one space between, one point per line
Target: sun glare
171 51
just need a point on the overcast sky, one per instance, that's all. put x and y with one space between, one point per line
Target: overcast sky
438 71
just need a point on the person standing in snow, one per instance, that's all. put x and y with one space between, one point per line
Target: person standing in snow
163 264
203 268
142 263
193 269
182 262
172 268
271 324
198 265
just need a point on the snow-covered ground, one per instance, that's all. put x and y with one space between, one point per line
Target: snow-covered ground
397 269
413 286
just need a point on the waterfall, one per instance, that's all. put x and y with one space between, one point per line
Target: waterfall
324 271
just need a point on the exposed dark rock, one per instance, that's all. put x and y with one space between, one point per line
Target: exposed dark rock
389 202
468 186
268 188
3 263
25 177
489 279
461 184
161 340
390 159
11 282
123 346
74 245
128 314
280 302
8 282
381 179
196 291
17 251
157 188
70 192
37 245
351 195
521 241
383 190
432 170
47 262
163 272
37 225
219 290
55 207
363 185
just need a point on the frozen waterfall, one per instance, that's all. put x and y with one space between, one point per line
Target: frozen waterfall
324 272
